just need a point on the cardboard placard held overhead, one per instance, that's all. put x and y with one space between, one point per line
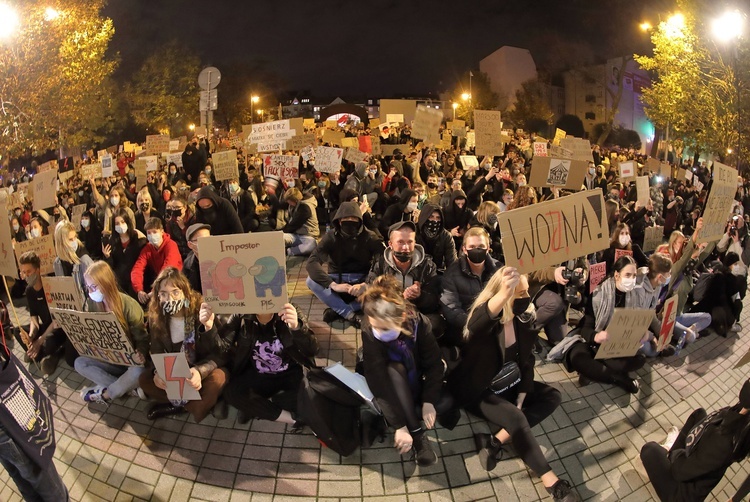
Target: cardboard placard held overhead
719 203
560 173
641 186
62 293
96 334
44 186
387 150
107 166
665 170
350 142
354 155
308 123
157 143
624 333
225 165
469 161
427 124
140 166
376 147
300 141
244 273
628 171
488 129
682 174
91 170
333 137
654 236
44 247
597 273
581 148
395 117
540 149
7 263
75 216
555 231
667 323
559 135
653 165
175 158
365 144
328 159
174 369
284 167
698 184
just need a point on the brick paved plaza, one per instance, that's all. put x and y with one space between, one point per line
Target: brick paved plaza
116 454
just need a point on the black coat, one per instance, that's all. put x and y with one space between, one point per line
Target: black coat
122 260
223 219
460 288
442 249
244 206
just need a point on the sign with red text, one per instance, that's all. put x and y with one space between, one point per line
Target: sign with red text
284 167
597 273
327 159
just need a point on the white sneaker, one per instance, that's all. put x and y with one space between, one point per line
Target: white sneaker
671 438
737 327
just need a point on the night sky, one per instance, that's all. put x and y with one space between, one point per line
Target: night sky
380 47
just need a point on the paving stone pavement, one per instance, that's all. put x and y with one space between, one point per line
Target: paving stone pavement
115 453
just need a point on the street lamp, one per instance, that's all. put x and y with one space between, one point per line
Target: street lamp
645 26
253 100
466 96
50 14
260 112
454 105
8 21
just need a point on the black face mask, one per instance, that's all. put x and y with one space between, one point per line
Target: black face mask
520 305
210 214
476 255
144 208
350 228
432 229
403 256
432 186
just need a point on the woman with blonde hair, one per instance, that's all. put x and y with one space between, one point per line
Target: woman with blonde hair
495 378
179 321
117 199
113 380
72 258
146 211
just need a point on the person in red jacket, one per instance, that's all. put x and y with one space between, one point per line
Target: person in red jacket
161 252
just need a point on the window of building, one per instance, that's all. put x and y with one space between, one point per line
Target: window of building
590 116
590 98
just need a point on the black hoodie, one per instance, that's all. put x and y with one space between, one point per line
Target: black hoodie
344 255
441 247
223 219
455 216
395 212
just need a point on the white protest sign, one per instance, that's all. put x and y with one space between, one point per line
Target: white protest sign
152 162
175 158
627 171
469 161
719 203
225 165
540 149
488 127
76 214
174 145
327 159
625 332
244 273
284 167
427 124
44 186
395 117
174 369
107 166
698 184
667 323
307 153
354 155
62 293
279 130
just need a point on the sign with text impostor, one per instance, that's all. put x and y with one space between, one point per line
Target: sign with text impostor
560 173
549 233
244 273
719 203
625 332
96 334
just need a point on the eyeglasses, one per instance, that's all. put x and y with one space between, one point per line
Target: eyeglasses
175 294
92 287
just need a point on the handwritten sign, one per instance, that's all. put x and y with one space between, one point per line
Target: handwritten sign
597 273
719 203
44 247
76 214
488 127
652 238
279 130
581 148
284 167
641 186
152 162
548 233
458 128
540 149
96 334
89 171
667 323
174 369
44 186
698 184
376 148
354 155
327 159
300 141
560 173
625 331
427 124
225 165
244 273
559 136
7 263
627 171
619 253
469 161
156 144
175 158
62 293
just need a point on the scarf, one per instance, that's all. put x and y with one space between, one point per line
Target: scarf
603 303
401 350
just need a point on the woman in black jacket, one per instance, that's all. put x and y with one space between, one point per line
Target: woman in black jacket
403 210
621 241
402 366
122 248
266 353
499 333
90 235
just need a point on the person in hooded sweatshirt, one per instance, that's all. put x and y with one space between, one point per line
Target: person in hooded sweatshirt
436 240
244 206
212 209
348 251
403 210
457 216
356 180
368 219
193 160
161 252
301 228
692 461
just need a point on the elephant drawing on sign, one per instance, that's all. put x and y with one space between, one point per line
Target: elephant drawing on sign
268 274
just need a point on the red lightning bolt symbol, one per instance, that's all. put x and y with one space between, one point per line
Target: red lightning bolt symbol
168 367
666 328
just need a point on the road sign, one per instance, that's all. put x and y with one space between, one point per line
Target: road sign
209 78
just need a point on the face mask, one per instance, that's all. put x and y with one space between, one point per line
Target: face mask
145 207
432 186
73 245
35 232
80 193
65 205
626 284
736 270
16 227
233 187
403 256
432 228
476 255
386 336
31 279
649 213
210 214
322 185
85 223
97 296
522 183
666 280
173 306
592 171
18 212
155 239
521 305
411 206
114 201
172 171
208 172
624 239
131 176
350 228
291 184
121 228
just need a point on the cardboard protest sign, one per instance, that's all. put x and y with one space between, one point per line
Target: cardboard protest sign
653 238
365 144
458 128
628 171
559 135
373 123
107 166
44 186
469 161
174 369
284 167
349 142
44 247
75 216
174 145
665 170
540 149
333 137
91 170
427 124
581 148
395 117
624 333
622 252
559 152
387 150
244 273
65 176
354 155
225 165
175 158
641 186
682 174
470 139
152 162
62 293
653 165
698 184
140 174
331 124
308 123
300 141
554 231
157 143
96 334
7 263
719 203
376 148
328 159
66 164
667 323
560 173
488 128
597 273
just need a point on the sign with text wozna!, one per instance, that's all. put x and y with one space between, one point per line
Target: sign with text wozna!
244 273
555 231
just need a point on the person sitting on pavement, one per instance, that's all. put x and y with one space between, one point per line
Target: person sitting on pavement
161 252
434 238
192 267
301 229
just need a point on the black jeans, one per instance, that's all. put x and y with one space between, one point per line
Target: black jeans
503 412
656 459
612 371
264 395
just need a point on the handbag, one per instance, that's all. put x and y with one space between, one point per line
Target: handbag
506 379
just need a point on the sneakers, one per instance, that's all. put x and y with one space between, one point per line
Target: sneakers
736 327
630 385
488 449
668 351
583 381
671 438
330 315
563 492
423 452
94 395
49 363
164 410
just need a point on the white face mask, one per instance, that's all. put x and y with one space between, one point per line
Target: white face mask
155 239
16 227
97 296
626 284
592 171
121 228
35 232
411 206
85 223
73 245
114 201
624 239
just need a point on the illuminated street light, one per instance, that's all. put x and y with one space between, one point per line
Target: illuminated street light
191 127
8 21
253 100
454 105
675 25
729 26
645 26
466 96
50 14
